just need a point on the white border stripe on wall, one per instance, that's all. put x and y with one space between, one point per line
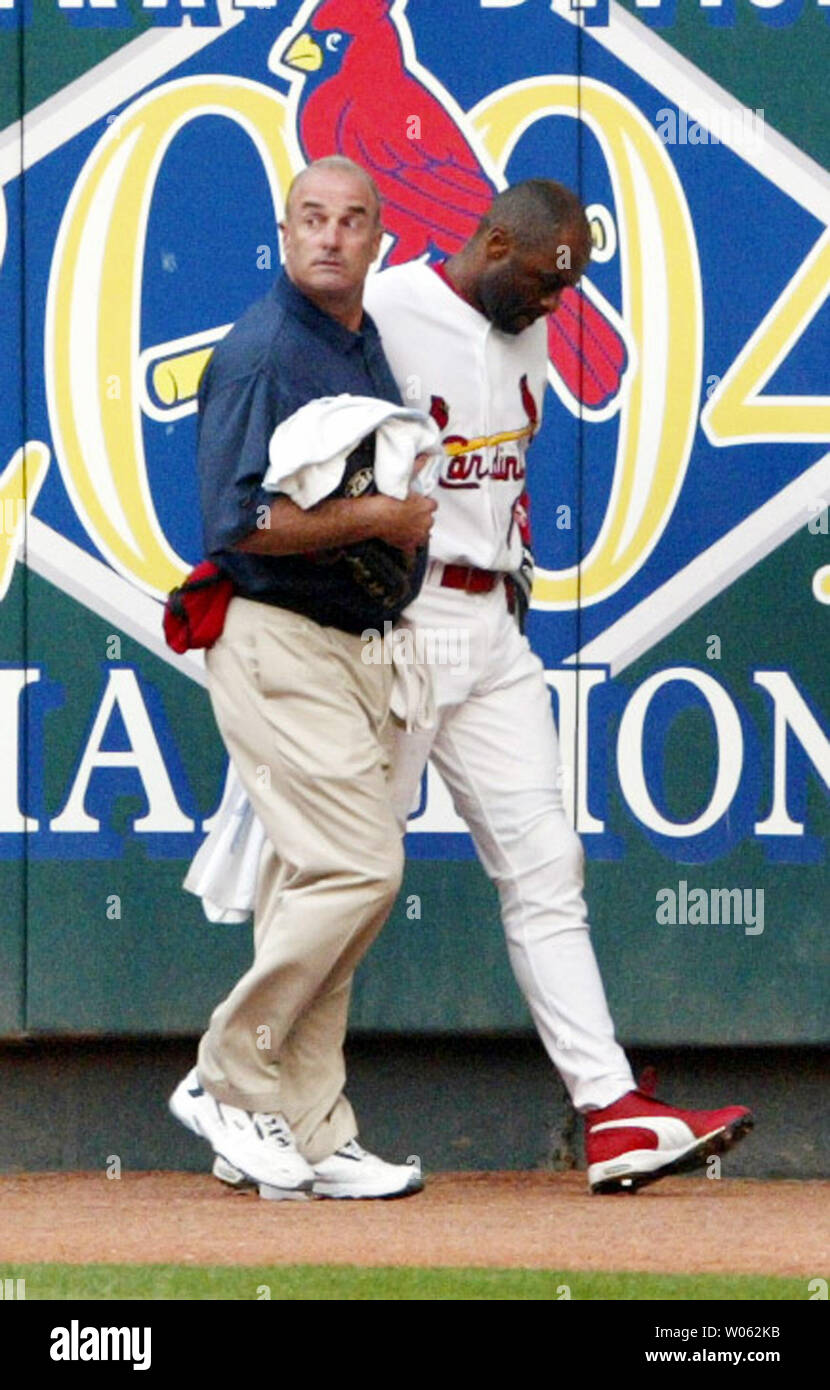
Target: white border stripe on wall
642 49
103 89
708 574
105 593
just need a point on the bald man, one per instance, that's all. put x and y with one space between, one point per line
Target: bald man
301 714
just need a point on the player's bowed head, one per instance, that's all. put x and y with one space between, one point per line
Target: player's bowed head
533 243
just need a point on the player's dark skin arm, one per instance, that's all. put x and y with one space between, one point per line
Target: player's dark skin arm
341 521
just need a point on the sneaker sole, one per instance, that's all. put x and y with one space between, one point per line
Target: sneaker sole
342 1190
238 1182
688 1160
232 1176
282 1194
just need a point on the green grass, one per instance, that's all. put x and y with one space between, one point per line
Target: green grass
348 1283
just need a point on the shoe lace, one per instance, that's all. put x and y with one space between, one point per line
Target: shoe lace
274 1128
352 1148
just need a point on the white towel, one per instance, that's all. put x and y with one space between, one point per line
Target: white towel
224 870
308 451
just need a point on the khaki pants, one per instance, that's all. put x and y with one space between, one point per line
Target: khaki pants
303 719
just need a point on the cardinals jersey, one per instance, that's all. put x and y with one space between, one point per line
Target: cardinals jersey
484 390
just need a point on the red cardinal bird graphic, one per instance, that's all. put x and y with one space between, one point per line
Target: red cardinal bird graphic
360 100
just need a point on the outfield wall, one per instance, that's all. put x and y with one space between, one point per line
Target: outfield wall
680 520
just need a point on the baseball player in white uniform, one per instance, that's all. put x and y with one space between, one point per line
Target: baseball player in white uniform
466 342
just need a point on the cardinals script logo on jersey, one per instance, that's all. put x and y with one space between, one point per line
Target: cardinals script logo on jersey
469 461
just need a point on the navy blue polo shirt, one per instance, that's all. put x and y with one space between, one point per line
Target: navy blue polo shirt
282 353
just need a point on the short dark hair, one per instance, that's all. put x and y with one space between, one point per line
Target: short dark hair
534 211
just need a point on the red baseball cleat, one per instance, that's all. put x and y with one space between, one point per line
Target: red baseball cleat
639 1139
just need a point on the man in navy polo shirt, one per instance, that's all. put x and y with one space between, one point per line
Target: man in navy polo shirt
302 715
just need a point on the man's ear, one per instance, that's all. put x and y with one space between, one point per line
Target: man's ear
497 244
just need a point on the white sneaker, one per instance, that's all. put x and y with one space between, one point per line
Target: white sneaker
261 1146
234 1178
352 1172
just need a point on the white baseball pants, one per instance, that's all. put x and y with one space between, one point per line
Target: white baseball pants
495 746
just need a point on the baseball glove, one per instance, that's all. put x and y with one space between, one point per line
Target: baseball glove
520 581
389 576
385 573
522 585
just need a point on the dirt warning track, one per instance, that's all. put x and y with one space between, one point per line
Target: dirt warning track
531 1220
